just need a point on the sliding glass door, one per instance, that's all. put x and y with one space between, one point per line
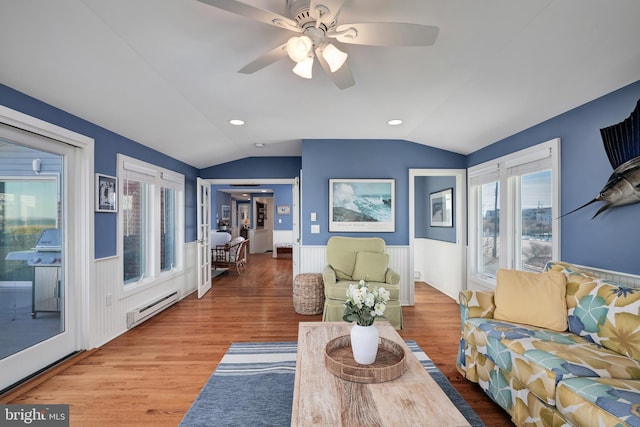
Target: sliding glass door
35 315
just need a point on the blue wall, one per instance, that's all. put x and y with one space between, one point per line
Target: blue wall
612 240
263 168
283 195
107 145
381 159
255 168
424 186
219 198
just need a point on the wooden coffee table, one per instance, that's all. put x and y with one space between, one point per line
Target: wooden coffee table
322 399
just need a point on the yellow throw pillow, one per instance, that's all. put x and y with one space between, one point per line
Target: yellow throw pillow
342 262
537 299
370 266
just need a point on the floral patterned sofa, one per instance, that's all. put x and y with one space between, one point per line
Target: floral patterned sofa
585 374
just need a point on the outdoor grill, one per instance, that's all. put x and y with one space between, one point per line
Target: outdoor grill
45 258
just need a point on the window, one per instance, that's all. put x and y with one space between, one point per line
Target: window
490 223
171 189
135 226
513 203
151 221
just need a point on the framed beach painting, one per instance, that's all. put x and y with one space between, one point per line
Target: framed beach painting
366 205
441 208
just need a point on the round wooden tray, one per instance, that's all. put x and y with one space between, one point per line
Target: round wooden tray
388 366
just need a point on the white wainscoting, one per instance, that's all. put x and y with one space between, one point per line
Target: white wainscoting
313 260
107 314
440 264
625 279
261 241
281 236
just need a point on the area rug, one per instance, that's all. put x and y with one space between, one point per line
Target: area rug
253 386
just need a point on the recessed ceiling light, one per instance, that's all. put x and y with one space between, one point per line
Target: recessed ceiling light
394 122
259 144
236 122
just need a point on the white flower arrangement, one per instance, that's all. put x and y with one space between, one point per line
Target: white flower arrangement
363 304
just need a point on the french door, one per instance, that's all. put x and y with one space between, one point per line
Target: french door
204 251
38 304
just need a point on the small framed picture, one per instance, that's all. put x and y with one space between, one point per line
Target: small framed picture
226 212
106 191
283 210
442 208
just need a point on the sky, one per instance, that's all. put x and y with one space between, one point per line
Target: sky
30 199
535 191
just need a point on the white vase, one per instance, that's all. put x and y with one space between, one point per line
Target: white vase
364 344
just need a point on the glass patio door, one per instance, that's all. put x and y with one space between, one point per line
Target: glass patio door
35 326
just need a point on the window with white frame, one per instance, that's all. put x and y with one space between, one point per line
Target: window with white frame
514 203
151 221
171 188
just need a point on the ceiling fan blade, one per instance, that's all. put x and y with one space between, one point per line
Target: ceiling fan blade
253 12
267 59
325 11
386 34
342 77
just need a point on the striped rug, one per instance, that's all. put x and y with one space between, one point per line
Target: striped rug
253 386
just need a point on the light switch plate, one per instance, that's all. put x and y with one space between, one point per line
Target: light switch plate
313 216
315 229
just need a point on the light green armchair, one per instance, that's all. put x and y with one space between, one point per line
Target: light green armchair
350 259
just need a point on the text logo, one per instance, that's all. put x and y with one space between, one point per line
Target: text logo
34 415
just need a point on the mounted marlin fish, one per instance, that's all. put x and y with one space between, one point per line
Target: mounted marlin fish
622 145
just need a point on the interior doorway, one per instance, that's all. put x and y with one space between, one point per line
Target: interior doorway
437 252
262 237
281 216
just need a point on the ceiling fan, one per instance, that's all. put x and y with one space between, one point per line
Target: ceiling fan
317 21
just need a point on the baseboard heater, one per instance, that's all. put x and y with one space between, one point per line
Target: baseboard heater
140 314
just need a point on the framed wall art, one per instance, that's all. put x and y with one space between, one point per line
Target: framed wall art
225 212
366 205
106 193
441 208
283 210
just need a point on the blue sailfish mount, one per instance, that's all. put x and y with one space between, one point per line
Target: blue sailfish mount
622 145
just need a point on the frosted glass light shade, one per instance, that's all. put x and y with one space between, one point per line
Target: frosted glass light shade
334 57
303 68
298 48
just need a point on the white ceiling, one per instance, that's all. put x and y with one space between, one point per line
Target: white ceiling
164 72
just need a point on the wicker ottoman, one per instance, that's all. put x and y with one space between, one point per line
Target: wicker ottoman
308 293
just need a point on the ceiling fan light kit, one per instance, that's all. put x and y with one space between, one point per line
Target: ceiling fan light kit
304 68
317 20
298 48
334 57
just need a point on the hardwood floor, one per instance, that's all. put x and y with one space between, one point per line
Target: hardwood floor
150 375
